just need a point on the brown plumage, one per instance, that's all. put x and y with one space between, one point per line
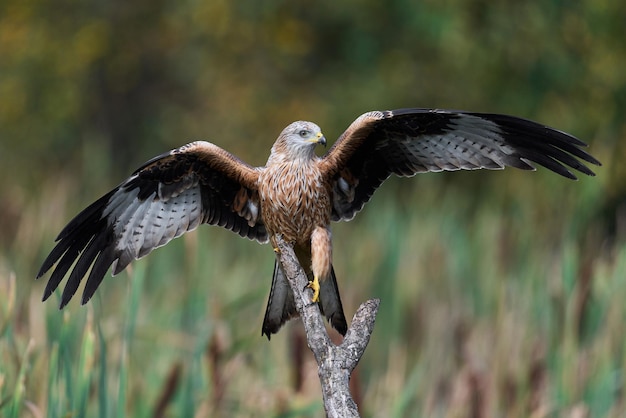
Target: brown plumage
296 194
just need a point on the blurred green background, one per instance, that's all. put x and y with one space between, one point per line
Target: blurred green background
502 292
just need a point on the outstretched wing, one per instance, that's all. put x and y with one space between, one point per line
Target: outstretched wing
166 197
409 141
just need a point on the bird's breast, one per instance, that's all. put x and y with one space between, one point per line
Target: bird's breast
294 199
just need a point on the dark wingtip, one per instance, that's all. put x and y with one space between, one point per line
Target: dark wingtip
554 149
591 159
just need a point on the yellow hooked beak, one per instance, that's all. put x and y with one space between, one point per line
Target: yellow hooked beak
320 139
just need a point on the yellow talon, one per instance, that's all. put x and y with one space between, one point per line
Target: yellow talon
315 286
276 250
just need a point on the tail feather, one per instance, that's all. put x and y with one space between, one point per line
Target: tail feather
330 303
281 306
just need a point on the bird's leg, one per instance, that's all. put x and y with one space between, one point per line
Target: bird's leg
315 286
321 257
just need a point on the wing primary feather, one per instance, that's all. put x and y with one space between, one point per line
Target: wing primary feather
100 266
57 252
80 269
124 258
75 246
61 269
91 212
518 162
567 159
526 133
79 226
547 161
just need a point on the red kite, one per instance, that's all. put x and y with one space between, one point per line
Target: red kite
296 194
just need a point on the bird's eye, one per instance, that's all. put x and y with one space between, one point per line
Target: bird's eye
303 133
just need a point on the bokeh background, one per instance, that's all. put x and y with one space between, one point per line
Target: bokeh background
502 292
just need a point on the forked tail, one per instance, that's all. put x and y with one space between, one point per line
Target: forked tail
281 306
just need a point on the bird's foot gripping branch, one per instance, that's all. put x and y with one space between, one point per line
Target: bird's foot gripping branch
314 285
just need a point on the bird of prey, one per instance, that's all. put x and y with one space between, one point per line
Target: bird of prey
296 194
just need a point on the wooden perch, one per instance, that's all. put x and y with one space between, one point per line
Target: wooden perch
335 363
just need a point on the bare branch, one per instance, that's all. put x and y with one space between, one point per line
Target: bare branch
335 363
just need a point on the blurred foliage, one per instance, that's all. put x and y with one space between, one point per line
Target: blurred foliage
475 270
80 76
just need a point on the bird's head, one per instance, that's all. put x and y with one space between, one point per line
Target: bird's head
298 140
